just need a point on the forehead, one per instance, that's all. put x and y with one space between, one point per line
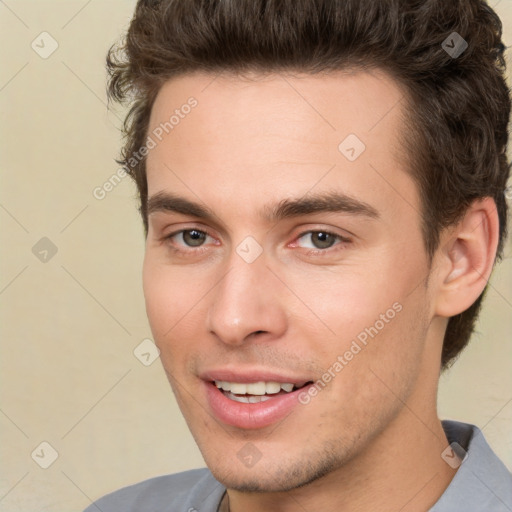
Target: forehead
278 134
336 102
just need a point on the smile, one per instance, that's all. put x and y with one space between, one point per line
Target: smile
255 392
252 405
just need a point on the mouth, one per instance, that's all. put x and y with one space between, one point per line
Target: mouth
256 392
253 404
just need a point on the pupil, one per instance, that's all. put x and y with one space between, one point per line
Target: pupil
325 242
193 236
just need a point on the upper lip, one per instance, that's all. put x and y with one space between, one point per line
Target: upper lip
252 375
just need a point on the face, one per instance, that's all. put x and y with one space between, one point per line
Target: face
285 268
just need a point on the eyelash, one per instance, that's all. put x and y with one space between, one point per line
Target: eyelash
198 250
309 252
329 250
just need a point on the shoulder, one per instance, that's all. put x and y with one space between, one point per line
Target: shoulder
188 491
482 481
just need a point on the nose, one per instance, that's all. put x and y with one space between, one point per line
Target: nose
249 300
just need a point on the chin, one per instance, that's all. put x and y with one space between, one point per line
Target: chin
275 475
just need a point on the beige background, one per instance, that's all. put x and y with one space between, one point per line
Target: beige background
69 326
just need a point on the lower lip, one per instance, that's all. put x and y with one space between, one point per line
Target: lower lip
251 416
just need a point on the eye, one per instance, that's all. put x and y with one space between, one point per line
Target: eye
321 240
185 240
189 237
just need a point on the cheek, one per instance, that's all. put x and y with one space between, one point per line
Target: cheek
375 315
376 376
394 341
344 303
175 299
167 295
160 305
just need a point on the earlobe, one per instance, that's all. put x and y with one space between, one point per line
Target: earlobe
468 258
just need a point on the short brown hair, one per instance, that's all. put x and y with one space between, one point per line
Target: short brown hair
459 105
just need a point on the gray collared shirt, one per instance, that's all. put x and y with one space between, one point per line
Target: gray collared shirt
482 484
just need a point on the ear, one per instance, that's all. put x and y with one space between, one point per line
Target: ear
466 258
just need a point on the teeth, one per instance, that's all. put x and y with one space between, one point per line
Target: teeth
239 389
254 388
248 399
272 387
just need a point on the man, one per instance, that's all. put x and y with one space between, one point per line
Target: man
322 185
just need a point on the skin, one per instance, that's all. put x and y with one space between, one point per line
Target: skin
250 143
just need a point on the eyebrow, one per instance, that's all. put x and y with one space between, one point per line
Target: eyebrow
331 202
